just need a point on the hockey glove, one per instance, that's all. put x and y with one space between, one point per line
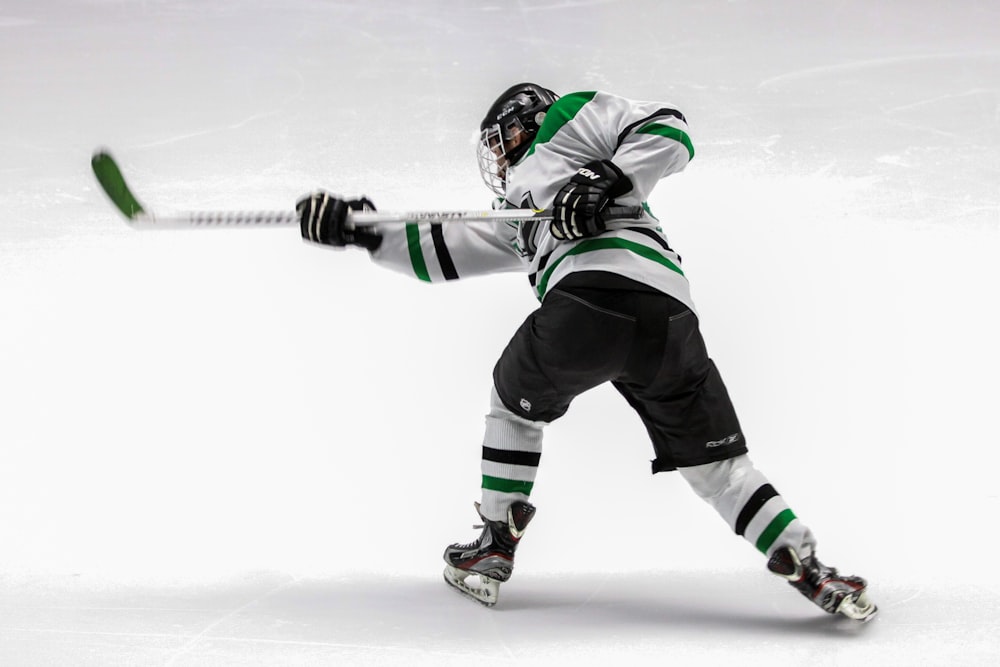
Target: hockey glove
323 219
578 208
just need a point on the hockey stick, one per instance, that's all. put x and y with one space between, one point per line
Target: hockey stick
139 217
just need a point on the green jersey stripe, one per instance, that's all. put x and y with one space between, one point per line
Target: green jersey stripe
506 485
416 252
591 245
561 112
670 133
770 534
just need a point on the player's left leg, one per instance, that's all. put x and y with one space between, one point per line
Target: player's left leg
752 507
694 429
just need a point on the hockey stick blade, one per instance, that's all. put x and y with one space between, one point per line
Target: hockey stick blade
110 177
113 183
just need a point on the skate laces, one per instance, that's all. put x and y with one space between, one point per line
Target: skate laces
817 572
476 542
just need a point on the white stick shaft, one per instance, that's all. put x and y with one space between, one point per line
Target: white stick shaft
209 219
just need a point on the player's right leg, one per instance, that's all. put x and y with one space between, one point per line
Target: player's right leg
564 348
512 449
478 568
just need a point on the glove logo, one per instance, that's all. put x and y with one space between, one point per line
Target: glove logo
587 173
525 405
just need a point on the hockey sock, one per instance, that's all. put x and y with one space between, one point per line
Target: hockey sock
512 448
750 505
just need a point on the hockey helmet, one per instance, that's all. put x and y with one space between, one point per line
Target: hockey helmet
508 130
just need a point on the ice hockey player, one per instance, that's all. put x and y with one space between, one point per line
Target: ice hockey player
615 307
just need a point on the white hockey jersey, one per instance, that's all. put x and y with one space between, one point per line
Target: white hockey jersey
646 140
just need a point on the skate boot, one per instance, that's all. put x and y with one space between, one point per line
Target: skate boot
830 591
491 557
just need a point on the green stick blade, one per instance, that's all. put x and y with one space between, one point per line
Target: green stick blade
113 183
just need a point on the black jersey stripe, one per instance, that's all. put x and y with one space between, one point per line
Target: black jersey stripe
543 261
752 506
533 277
659 114
512 457
441 249
651 233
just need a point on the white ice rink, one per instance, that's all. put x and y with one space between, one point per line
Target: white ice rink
230 448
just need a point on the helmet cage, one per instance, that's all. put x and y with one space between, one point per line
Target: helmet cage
496 153
493 175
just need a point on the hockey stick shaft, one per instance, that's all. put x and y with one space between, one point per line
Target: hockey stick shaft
113 183
216 219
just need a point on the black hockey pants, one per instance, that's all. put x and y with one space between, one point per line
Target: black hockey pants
595 327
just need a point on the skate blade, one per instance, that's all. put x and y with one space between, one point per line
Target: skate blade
486 593
858 608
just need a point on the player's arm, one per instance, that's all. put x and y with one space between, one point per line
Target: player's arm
432 252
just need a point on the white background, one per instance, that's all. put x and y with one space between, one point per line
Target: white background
230 448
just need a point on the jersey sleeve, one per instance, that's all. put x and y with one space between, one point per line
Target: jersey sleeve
438 252
652 142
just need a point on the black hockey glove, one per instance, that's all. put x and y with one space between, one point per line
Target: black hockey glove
578 208
323 219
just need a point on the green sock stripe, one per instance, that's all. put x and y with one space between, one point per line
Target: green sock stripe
507 485
770 534
416 252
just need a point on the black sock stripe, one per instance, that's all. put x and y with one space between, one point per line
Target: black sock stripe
441 249
512 457
749 511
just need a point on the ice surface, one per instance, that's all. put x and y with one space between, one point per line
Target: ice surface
229 448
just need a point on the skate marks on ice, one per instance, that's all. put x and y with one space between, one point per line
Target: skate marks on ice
869 64
220 621
278 619
921 152
271 618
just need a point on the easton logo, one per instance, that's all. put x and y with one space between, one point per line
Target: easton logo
417 216
728 440
587 173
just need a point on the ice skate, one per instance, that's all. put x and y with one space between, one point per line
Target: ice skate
830 591
491 557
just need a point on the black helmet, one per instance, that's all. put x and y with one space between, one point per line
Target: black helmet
519 109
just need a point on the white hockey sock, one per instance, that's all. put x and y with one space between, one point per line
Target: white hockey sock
750 505
512 448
